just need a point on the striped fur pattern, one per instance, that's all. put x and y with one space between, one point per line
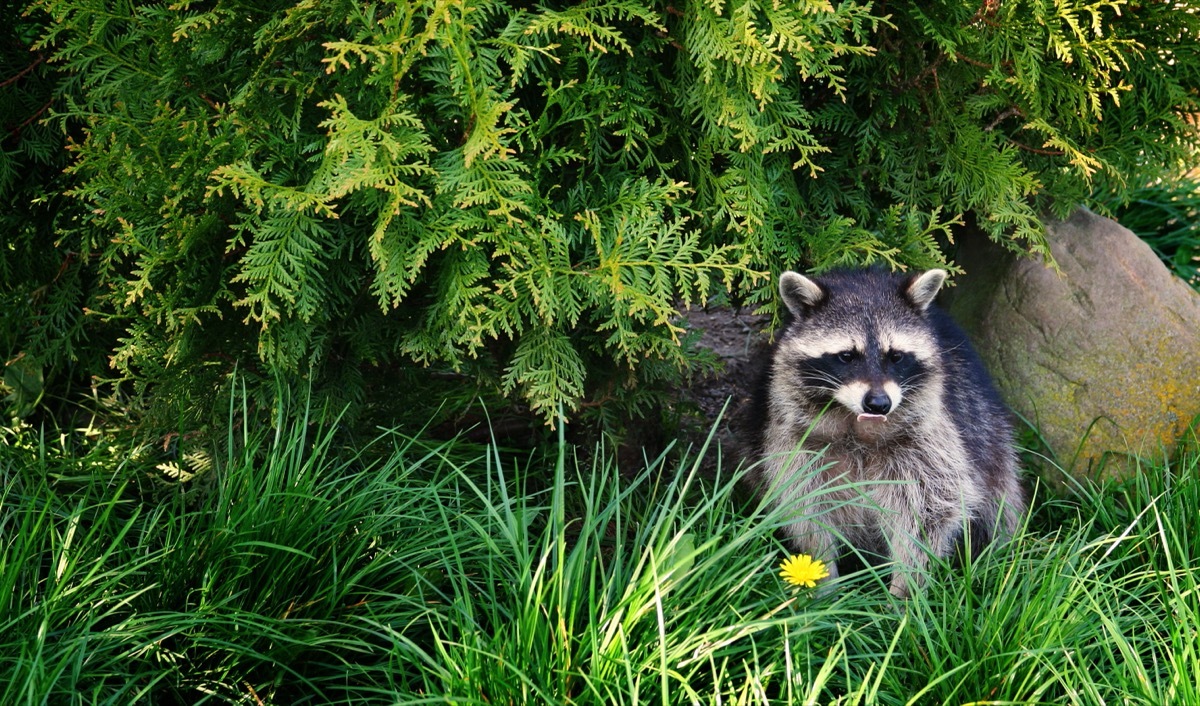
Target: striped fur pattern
869 371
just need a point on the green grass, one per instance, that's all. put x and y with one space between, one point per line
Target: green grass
295 570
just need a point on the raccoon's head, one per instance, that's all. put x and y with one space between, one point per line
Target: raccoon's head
859 341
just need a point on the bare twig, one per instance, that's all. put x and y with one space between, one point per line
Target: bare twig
40 58
973 62
1035 150
17 130
1002 117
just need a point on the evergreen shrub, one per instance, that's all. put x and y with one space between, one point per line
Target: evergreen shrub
527 194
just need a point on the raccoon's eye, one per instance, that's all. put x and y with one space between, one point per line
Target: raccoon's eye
896 356
846 356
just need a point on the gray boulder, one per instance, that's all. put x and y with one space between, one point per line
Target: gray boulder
1102 355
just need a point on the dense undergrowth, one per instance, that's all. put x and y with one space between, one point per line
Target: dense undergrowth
517 197
292 567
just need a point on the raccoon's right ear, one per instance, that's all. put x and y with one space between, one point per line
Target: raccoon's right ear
799 293
924 287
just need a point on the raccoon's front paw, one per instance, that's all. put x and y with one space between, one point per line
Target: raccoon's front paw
901 588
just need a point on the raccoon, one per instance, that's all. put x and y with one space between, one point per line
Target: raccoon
871 373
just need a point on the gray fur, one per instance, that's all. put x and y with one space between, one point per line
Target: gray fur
936 465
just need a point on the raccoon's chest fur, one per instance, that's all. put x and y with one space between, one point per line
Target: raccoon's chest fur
887 497
923 468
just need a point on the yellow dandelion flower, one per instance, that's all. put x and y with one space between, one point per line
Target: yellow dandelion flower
802 570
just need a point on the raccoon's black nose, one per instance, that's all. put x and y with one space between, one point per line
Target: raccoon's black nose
877 402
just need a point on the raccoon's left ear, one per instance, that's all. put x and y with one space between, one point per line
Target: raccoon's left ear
799 293
924 287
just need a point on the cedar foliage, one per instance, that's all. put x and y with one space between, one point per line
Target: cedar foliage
526 193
